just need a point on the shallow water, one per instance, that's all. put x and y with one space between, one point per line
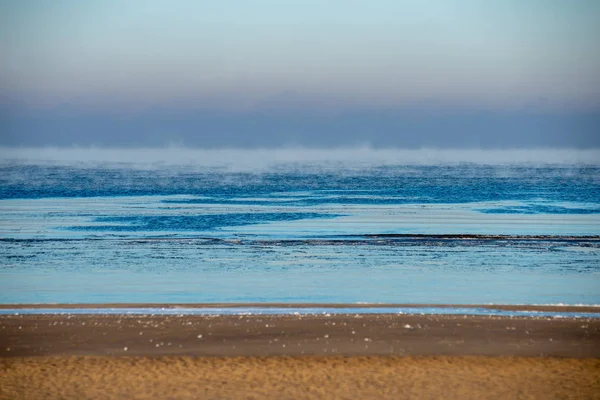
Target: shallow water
316 232
324 311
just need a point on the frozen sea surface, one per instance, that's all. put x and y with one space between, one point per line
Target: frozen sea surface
305 231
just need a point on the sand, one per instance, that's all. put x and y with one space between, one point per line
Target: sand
299 378
296 335
296 357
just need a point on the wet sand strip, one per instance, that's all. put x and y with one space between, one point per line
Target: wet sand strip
296 335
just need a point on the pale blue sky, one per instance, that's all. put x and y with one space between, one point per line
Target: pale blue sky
388 51
253 55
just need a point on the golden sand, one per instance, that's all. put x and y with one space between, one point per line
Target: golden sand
299 378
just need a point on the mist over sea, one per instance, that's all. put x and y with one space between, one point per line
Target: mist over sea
297 225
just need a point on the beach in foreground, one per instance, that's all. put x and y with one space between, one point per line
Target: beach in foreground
298 356
322 377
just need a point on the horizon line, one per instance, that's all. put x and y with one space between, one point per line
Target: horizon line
264 157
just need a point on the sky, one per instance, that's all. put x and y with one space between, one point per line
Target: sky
315 73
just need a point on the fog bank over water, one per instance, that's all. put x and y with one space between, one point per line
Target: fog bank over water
261 159
420 126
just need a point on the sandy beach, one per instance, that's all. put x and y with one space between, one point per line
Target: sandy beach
298 356
312 377
297 335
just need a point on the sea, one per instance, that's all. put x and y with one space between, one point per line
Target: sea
353 226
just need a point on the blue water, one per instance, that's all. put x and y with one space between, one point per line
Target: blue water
303 231
322 311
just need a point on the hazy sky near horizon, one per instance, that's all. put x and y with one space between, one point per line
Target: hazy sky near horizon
227 73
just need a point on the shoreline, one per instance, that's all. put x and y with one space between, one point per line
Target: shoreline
500 307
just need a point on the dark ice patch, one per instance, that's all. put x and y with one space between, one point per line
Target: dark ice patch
132 223
540 209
